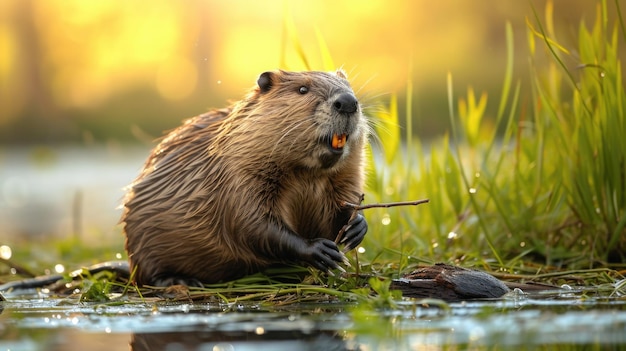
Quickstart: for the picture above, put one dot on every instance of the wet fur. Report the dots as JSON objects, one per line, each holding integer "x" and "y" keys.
{"x": 222, "y": 195}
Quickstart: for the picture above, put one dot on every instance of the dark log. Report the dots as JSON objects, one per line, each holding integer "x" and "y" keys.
{"x": 452, "y": 283}
{"x": 449, "y": 283}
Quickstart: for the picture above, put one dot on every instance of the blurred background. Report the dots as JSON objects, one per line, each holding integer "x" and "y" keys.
{"x": 87, "y": 86}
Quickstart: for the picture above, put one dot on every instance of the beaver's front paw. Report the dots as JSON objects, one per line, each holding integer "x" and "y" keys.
{"x": 355, "y": 233}
{"x": 324, "y": 255}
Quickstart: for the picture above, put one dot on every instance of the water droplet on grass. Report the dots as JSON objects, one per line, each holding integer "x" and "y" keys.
{"x": 386, "y": 219}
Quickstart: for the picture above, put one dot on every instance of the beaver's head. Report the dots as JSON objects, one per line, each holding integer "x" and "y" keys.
{"x": 314, "y": 118}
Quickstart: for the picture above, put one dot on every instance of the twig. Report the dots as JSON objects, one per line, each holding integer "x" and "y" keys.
{"x": 359, "y": 207}
{"x": 18, "y": 269}
{"x": 385, "y": 205}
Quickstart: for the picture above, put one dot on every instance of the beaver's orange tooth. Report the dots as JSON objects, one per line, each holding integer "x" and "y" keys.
{"x": 335, "y": 141}
{"x": 339, "y": 141}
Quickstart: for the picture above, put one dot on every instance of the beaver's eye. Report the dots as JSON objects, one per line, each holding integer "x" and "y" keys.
{"x": 303, "y": 90}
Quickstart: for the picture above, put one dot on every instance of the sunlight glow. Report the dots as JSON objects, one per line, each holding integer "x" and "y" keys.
{"x": 176, "y": 78}
{"x": 86, "y": 54}
{"x": 5, "y": 252}
{"x": 59, "y": 268}
{"x": 386, "y": 220}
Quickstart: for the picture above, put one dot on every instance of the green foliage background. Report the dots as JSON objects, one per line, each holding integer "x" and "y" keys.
{"x": 543, "y": 186}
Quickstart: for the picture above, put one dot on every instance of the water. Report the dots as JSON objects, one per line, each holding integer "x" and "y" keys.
{"x": 579, "y": 319}
{"x": 63, "y": 187}
{"x": 69, "y": 190}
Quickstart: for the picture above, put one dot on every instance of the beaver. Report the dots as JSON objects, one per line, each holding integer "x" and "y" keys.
{"x": 263, "y": 182}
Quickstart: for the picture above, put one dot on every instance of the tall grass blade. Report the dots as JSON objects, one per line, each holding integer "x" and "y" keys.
{"x": 621, "y": 19}
{"x": 550, "y": 45}
{"x": 463, "y": 174}
{"x": 327, "y": 60}
{"x": 290, "y": 32}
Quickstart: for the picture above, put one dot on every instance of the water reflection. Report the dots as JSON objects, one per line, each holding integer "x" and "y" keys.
{"x": 553, "y": 320}
{"x": 287, "y": 340}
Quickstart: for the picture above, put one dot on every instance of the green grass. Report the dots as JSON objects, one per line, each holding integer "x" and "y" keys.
{"x": 538, "y": 191}
{"x": 543, "y": 184}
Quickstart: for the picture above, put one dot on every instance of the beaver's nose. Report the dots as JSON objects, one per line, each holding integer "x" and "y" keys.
{"x": 346, "y": 104}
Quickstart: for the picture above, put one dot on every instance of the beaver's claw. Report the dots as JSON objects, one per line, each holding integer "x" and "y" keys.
{"x": 354, "y": 233}
{"x": 324, "y": 255}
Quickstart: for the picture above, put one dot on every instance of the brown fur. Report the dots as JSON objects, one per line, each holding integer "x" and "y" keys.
{"x": 224, "y": 194}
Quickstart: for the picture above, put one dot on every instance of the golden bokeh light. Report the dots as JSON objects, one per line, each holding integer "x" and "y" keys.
{"x": 98, "y": 49}
{"x": 176, "y": 78}
{"x": 60, "y": 56}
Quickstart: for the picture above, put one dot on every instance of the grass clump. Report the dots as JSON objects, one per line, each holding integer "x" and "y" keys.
{"x": 539, "y": 190}
{"x": 544, "y": 183}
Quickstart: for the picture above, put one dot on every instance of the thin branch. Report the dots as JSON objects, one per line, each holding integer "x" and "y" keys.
{"x": 385, "y": 205}
{"x": 356, "y": 208}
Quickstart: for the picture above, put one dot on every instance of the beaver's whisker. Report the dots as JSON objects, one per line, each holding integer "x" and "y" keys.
{"x": 284, "y": 134}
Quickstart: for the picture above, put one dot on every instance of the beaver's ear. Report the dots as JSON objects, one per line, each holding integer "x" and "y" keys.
{"x": 341, "y": 73}
{"x": 265, "y": 81}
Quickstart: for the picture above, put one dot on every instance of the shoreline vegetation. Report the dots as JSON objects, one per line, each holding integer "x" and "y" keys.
{"x": 538, "y": 195}
{"x": 542, "y": 187}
